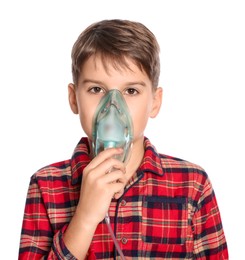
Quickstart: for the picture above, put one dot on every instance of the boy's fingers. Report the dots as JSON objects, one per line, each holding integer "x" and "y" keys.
{"x": 104, "y": 155}
{"x": 107, "y": 166}
{"x": 117, "y": 190}
{"x": 115, "y": 176}
{"x": 117, "y": 195}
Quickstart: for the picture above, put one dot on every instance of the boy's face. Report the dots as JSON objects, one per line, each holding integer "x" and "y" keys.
{"x": 134, "y": 84}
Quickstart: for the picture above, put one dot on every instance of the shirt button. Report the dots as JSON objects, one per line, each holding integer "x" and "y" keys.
{"x": 124, "y": 240}
{"x": 123, "y": 202}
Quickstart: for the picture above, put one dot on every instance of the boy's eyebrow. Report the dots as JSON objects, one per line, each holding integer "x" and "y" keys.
{"x": 92, "y": 81}
{"x": 142, "y": 83}
{"x": 130, "y": 83}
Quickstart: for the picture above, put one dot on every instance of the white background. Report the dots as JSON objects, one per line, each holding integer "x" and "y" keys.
{"x": 202, "y": 116}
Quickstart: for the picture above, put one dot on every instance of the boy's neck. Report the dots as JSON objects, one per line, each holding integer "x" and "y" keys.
{"x": 136, "y": 157}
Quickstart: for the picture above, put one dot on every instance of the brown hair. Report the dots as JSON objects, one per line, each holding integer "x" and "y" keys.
{"x": 115, "y": 40}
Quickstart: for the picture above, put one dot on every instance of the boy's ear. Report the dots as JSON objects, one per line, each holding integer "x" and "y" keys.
{"x": 72, "y": 98}
{"x": 157, "y": 102}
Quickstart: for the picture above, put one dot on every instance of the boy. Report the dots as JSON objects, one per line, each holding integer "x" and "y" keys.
{"x": 160, "y": 207}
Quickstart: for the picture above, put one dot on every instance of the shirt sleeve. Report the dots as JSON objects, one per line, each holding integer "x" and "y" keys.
{"x": 38, "y": 241}
{"x": 209, "y": 238}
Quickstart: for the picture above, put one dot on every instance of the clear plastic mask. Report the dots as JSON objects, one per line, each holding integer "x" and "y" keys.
{"x": 112, "y": 125}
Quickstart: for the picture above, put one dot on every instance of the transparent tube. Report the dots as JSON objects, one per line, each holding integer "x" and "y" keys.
{"x": 107, "y": 220}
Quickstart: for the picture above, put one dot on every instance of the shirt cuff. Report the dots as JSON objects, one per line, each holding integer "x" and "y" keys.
{"x": 59, "y": 247}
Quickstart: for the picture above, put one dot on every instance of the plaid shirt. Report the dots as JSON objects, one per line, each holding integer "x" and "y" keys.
{"x": 168, "y": 211}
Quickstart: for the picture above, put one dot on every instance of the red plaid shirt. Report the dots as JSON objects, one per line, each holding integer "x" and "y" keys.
{"x": 168, "y": 211}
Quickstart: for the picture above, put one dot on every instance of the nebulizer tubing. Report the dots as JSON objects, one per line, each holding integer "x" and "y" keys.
{"x": 119, "y": 250}
{"x": 112, "y": 128}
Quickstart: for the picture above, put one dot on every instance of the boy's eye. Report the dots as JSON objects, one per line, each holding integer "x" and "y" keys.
{"x": 96, "y": 90}
{"x": 131, "y": 91}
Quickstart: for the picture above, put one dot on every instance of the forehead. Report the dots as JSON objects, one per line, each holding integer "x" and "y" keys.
{"x": 109, "y": 73}
{"x": 109, "y": 64}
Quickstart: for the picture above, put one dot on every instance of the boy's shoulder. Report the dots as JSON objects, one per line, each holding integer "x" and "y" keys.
{"x": 180, "y": 167}
{"x": 166, "y": 164}
{"x": 178, "y": 163}
{"x": 55, "y": 171}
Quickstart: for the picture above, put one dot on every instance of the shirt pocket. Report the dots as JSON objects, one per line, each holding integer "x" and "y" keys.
{"x": 164, "y": 220}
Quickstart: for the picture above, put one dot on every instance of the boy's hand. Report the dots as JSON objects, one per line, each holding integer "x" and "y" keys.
{"x": 103, "y": 179}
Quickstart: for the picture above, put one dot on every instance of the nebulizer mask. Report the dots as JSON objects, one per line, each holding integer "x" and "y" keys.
{"x": 112, "y": 127}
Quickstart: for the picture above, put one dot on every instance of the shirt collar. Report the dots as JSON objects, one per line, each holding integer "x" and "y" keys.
{"x": 80, "y": 159}
{"x": 151, "y": 162}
